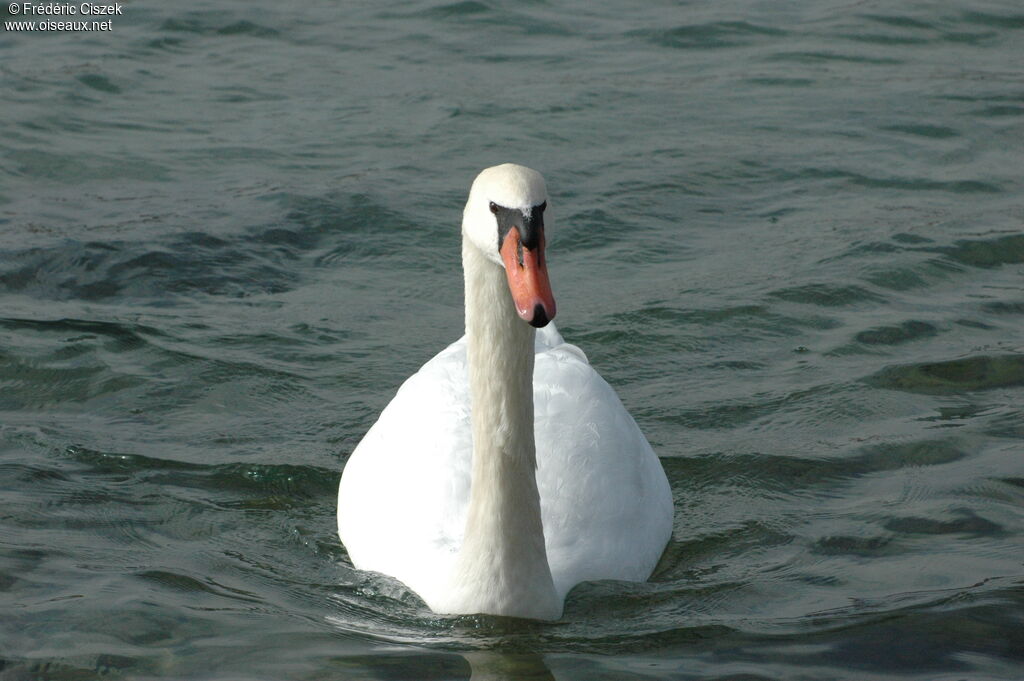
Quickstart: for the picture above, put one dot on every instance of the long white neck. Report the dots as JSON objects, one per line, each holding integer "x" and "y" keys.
{"x": 502, "y": 567}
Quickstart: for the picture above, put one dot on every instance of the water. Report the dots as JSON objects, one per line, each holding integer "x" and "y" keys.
{"x": 789, "y": 234}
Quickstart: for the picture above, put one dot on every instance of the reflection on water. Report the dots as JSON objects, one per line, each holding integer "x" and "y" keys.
{"x": 494, "y": 666}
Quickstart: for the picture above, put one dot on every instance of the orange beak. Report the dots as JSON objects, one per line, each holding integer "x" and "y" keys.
{"x": 527, "y": 274}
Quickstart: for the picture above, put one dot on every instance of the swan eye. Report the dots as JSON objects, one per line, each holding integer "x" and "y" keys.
{"x": 494, "y": 207}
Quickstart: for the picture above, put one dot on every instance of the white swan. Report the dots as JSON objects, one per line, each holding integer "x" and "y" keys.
{"x": 505, "y": 471}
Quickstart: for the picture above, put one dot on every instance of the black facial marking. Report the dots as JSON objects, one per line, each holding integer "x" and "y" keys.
{"x": 530, "y": 228}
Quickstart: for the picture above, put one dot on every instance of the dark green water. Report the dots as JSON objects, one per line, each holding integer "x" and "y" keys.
{"x": 790, "y": 234}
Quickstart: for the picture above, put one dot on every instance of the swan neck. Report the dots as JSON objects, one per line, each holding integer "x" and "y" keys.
{"x": 503, "y": 565}
{"x": 501, "y": 355}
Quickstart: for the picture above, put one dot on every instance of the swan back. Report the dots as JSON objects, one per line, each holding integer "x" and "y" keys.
{"x": 605, "y": 501}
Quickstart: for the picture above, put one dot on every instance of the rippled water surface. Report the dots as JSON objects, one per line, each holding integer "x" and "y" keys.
{"x": 788, "y": 233}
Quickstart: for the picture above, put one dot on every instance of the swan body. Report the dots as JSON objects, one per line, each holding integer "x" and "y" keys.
{"x": 506, "y": 470}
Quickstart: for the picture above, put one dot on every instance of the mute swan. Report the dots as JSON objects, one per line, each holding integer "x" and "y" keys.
{"x": 505, "y": 471}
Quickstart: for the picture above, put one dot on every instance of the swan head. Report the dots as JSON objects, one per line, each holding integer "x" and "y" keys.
{"x": 504, "y": 219}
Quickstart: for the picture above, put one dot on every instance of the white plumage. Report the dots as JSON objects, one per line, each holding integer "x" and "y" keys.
{"x": 405, "y": 495}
